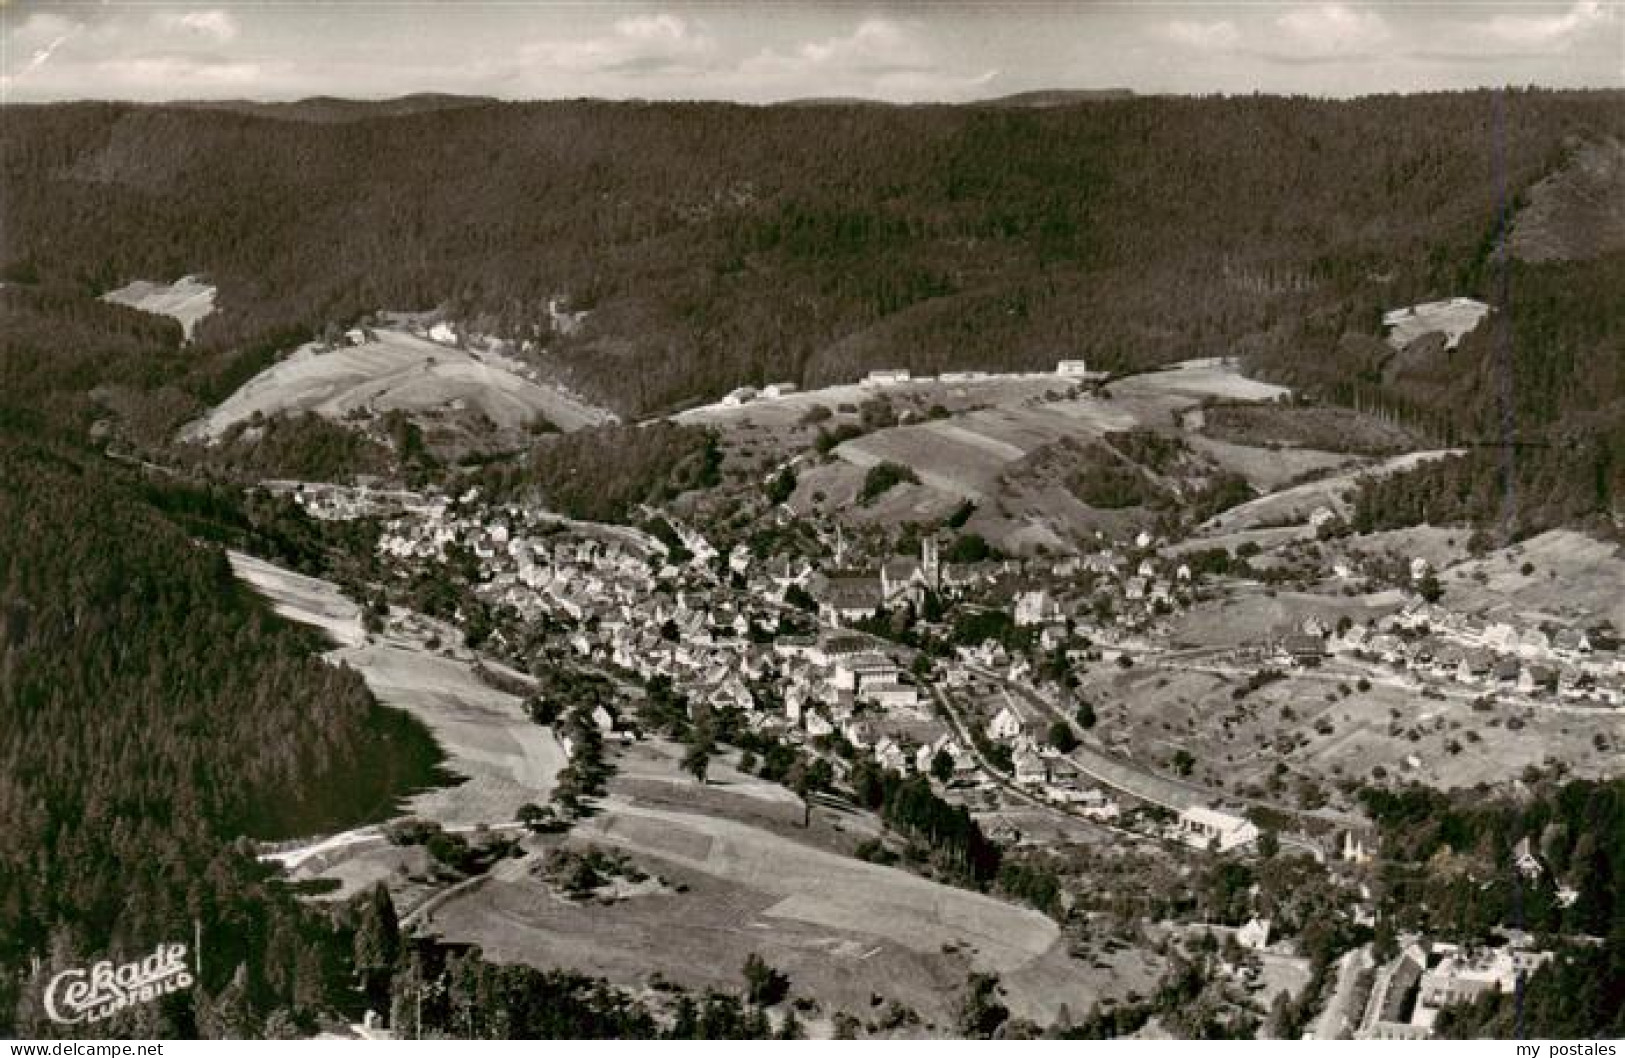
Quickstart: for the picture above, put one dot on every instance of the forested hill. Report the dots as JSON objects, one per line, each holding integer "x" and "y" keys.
{"x": 719, "y": 245}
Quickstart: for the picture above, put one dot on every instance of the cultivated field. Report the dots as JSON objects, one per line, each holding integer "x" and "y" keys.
{"x": 1196, "y": 379}
{"x": 398, "y": 371}
{"x": 1297, "y": 503}
{"x": 187, "y": 300}
{"x": 746, "y": 877}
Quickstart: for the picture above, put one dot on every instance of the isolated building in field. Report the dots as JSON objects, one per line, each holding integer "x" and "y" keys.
{"x": 1072, "y": 368}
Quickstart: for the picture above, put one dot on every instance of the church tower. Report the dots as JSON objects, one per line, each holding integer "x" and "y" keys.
{"x": 931, "y": 563}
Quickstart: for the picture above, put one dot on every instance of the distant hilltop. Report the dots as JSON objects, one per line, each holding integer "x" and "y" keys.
{"x": 332, "y": 110}
{"x": 1056, "y": 97}
{"x": 1036, "y": 100}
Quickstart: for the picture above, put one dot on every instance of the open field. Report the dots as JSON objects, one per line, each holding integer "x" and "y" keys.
{"x": 398, "y": 371}
{"x": 1195, "y": 379}
{"x": 506, "y": 759}
{"x": 746, "y": 879}
{"x": 1002, "y": 442}
{"x": 1295, "y": 427}
{"x": 954, "y": 395}
{"x": 1267, "y": 469}
{"x": 1575, "y": 578}
{"x": 187, "y": 300}
{"x": 843, "y": 930}
{"x": 1295, "y": 504}
{"x": 1249, "y": 613}
{"x": 1454, "y": 319}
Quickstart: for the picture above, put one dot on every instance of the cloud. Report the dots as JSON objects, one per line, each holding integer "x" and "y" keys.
{"x": 216, "y": 26}
{"x": 1547, "y": 32}
{"x": 879, "y": 58}
{"x": 637, "y": 45}
{"x": 876, "y": 46}
{"x": 1306, "y": 34}
{"x": 1203, "y": 36}
{"x": 1327, "y": 31}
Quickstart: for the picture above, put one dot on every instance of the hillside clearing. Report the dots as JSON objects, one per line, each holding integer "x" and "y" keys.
{"x": 188, "y": 300}
{"x": 398, "y": 371}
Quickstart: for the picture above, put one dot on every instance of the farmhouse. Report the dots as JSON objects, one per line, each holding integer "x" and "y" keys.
{"x": 1072, "y": 368}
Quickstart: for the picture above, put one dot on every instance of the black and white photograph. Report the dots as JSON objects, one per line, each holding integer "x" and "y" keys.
{"x": 821, "y": 520}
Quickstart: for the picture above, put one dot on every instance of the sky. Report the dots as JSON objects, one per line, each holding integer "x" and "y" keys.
{"x": 769, "y": 51}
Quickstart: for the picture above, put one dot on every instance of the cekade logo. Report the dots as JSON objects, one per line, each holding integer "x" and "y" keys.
{"x": 82, "y": 996}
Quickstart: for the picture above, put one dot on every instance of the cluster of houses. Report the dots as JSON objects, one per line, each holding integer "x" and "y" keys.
{"x": 1046, "y": 771}
{"x": 1569, "y": 663}
{"x": 626, "y": 607}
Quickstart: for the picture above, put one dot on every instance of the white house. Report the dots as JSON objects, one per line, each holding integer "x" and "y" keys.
{"x": 1202, "y": 827}
{"x": 1006, "y": 726}
{"x": 1035, "y": 608}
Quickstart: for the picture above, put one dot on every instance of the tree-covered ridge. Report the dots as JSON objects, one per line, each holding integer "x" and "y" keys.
{"x": 606, "y": 474}
{"x": 719, "y": 245}
{"x": 152, "y": 709}
{"x": 1536, "y": 394}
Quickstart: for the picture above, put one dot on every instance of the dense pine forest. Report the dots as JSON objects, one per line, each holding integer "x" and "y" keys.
{"x": 716, "y": 245}
{"x": 153, "y": 711}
